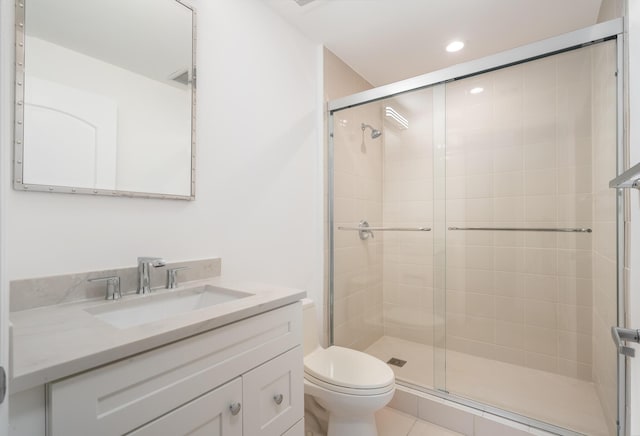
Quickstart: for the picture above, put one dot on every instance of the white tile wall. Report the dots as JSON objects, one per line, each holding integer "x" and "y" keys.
{"x": 408, "y": 202}
{"x": 526, "y": 298}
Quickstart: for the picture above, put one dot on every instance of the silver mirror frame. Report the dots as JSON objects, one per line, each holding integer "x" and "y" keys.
{"x": 18, "y": 148}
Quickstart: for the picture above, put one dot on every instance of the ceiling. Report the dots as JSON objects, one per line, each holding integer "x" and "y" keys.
{"x": 390, "y": 40}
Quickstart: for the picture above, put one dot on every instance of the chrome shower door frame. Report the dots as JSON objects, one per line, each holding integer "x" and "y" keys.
{"x": 610, "y": 30}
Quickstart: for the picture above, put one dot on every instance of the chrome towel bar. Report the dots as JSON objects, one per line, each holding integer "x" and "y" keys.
{"x": 524, "y": 229}
{"x": 364, "y": 231}
{"x": 388, "y": 229}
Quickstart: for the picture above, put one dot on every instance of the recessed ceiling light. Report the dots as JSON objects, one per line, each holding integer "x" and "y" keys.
{"x": 455, "y": 46}
{"x": 476, "y": 90}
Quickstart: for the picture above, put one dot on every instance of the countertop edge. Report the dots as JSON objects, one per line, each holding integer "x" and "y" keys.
{"x": 25, "y": 381}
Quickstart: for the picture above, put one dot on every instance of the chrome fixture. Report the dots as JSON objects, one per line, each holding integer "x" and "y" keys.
{"x": 113, "y": 287}
{"x": 620, "y": 334}
{"x": 375, "y": 133}
{"x": 172, "y": 276}
{"x": 364, "y": 230}
{"x": 144, "y": 281}
{"x": 524, "y": 229}
{"x": 628, "y": 179}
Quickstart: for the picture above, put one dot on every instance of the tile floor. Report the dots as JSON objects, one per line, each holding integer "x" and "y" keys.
{"x": 556, "y": 399}
{"x": 391, "y": 422}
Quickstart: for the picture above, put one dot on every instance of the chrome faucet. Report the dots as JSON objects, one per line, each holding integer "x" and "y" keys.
{"x": 144, "y": 281}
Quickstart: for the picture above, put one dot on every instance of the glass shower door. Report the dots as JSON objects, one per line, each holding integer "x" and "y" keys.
{"x": 531, "y": 239}
{"x": 382, "y": 233}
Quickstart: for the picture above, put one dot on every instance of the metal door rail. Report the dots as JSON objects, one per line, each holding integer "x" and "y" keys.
{"x": 525, "y": 229}
{"x": 389, "y": 229}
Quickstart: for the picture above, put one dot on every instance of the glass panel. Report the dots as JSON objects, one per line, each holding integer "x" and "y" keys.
{"x": 383, "y": 278}
{"x": 528, "y": 313}
{"x": 439, "y": 237}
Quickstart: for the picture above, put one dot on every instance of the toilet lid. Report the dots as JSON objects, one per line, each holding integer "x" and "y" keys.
{"x": 348, "y": 368}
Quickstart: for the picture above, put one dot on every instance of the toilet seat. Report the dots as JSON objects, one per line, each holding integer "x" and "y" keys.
{"x": 348, "y": 371}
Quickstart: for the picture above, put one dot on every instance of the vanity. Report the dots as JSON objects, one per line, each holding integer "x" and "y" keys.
{"x": 225, "y": 360}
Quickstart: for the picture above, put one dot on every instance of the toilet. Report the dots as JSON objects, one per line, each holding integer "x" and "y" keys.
{"x": 350, "y": 385}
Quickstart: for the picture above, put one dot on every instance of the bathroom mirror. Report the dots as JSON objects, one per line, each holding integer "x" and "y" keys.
{"x": 105, "y": 97}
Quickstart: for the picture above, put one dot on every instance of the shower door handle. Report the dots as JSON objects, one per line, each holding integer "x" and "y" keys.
{"x": 620, "y": 334}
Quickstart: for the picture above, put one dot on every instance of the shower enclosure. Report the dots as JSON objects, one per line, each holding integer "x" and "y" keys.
{"x": 473, "y": 237}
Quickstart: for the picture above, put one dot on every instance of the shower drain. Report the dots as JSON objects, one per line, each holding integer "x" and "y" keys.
{"x": 397, "y": 362}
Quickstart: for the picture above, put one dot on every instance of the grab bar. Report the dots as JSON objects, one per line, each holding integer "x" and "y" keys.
{"x": 525, "y": 229}
{"x": 364, "y": 231}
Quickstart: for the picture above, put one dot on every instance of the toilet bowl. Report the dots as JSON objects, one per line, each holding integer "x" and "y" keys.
{"x": 351, "y": 386}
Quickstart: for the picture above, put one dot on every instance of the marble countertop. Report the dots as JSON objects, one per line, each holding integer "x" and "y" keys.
{"x": 52, "y": 342}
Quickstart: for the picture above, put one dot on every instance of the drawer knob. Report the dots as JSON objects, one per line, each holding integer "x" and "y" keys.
{"x": 235, "y": 408}
{"x": 278, "y": 399}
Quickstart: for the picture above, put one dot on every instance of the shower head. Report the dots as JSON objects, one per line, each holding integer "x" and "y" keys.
{"x": 375, "y": 133}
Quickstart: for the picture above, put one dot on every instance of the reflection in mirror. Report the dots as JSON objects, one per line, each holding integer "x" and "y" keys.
{"x": 104, "y": 92}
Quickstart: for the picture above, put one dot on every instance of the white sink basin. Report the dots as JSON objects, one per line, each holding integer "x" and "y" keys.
{"x": 123, "y": 314}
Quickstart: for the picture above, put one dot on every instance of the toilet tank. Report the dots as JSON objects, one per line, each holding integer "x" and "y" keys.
{"x": 310, "y": 330}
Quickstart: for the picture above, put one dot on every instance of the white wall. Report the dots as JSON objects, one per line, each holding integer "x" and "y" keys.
{"x": 6, "y": 106}
{"x": 153, "y": 118}
{"x": 259, "y": 172}
{"x": 633, "y": 11}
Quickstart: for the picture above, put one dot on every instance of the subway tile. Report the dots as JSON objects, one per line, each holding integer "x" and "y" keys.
{"x": 508, "y": 259}
{"x": 508, "y": 159}
{"x": 509, "y": 284}
{"x": 510, "y": 309}
{"x": 540, "y": 156}
{"x": 480, "y": 305}
{"x": 540, "y": 209}
{"x": 540, "y": 182}
{"x": 540, "y": 261}
{"x": 479, "y": 186}
{"x": 508, "y": 208}
{"x": 508, "y": 184}
{"x": 575, "y": 346}
{"x": 510, "y": 334}
{"x": 540, "y": 340}
{"x": 541, "y": 314}
{"x": 479, "y": 280}
{"x": 541, "y": 287}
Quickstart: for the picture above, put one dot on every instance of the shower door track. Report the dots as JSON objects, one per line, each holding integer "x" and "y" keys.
{"x": 502, "y": 413}
{"x": 547, "y": 47}
{"x": 608, "y": 30}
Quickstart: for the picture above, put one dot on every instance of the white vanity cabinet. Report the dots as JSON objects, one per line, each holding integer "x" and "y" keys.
{"x": 245, "y": 378}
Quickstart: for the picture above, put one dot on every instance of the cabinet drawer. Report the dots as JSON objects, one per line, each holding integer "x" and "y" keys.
{"x": 208, "y": 415}
{"x": 273, "y": 395}
{"x": 120, "y": 397}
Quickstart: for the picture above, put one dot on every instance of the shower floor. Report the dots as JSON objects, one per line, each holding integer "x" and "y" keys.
{"x": 552, "y": 398}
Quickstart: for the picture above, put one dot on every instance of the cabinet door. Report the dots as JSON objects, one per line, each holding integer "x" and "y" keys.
{"x": 125, "y": 395}
{"x": 273, "y": 395}
{"x": 208, "y": 415}
{"x": 296, "y": 430}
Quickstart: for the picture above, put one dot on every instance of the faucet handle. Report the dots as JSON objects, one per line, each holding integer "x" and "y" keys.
{"x": 113, "y": 287}
{"x": 172, "y": 276}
